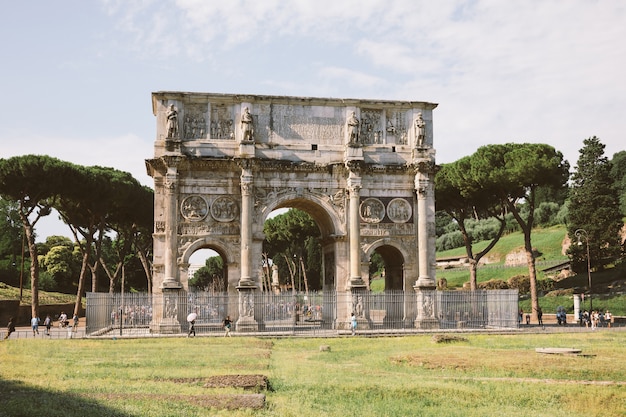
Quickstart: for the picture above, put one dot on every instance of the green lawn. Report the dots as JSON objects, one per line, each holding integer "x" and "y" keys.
{"x": 485, "y": 375}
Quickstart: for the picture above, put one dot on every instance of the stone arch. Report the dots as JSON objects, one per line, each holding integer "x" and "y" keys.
{"x": 208, "y": 243}
{"x": 327, "y": 220}
{"x": 395, "y": 257}
{"x": 215, "y": 185}
{"x": 217, "y": 245}
{"x": 321, "y": 211}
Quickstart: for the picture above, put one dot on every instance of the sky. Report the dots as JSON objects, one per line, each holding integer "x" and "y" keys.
{"x": 77, "y": 75}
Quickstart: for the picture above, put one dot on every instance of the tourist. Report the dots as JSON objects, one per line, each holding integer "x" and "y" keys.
{"x": 10, "y": 328}
{"x": 353, "y": 324}
{"x": 48, "y": 323}
{"x": 75, "y": 325}
{"x": 539, "y": 316}
{"x": 192, "y": 328}
{"x": 607, "y": 317}
{"x": 601, "y": 318}
{"x": 34, "y": 324}
{"x": 227, "y": 323}
{"x": 594, "y": 319}
{"x": 63, "y": 319}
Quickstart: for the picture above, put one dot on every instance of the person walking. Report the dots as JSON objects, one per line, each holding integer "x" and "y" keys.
{"x": 48, "y": 323}
{"x": 10, "y": 328}
{"x": 353, "y": 324}
{"x": 75, "y": 325}
{"x": 192, "y": 328}
{"x": 227, "y": 324}
{"x": 34, "y": 324}
{"x": 540, "y": 316}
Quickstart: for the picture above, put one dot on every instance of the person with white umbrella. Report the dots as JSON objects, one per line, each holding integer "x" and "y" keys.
{"x": 191, "y": 318}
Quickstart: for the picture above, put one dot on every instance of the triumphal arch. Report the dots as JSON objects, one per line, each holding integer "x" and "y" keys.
{"x": 363, "y": 169}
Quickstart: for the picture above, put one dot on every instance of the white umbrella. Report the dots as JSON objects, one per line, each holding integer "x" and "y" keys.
{"x": 191, "y": 317}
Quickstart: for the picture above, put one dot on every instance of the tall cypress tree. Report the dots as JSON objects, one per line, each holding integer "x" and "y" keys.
{"x": 594, "y": 207}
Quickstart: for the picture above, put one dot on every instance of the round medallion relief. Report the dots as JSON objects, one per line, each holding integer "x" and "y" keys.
{"x": 224, "y": 209}
{"x": 194, "y": 208}
{"x": 372, "y": 210}
{"x": 399, "y": 210}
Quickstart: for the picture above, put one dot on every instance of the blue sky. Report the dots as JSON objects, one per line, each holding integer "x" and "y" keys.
{"x": 77, "y": 75}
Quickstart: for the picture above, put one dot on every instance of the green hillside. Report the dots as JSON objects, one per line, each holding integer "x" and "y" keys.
{"x": 548, "y": 242}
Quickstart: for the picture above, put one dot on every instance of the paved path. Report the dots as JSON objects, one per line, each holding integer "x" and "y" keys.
{"x": 25, "y": 332}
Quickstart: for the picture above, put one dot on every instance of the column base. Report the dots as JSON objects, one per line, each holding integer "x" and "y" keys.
{"x": 170, "y": 284}
{"x": 167, "y": 326}
{"x": 246, "y": 325}
{"x": 426, "y": 324}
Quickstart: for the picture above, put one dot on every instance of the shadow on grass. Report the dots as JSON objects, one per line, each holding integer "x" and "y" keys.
{"x": 20, "y": 400}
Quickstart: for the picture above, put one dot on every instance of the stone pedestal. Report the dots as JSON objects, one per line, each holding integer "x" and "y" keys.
{"x": 354, "y": 152}
{"x": 246, "y": 149}
{"x": 247, "y": 321}
{"x": 426, "y": 308}
{"x": 359, "y": 308}
{"x": 169, "y": 312}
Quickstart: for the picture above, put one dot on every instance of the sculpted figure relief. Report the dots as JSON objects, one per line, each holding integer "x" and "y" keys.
{"x": 172, "y": 122}
{"x": 247, "y": 128}
{"x": 420, "y": 130}
{"x": 353, "y": 128}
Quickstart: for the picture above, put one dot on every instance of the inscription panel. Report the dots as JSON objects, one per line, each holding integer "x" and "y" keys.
{"x": 387, "y": 229}
{"x": 321, "y": 125}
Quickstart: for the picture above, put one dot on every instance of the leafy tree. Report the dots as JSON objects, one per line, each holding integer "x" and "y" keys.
{"x": 618, "y": 174}
{"x": 292, "y": 242}
{"x": 96, "y": 198}
{"x": 132, "y": 207}
{"x": 35, "y": 183}
{"x": 11, "y": 242}
{"x": 210, "y": 277}
{"x": 61, "y": 263}
{"x": 458, "y": 195}
{"x": 514, "y": 172}
{"x": 10, "y": 230}
{"x": 594, "y": 206}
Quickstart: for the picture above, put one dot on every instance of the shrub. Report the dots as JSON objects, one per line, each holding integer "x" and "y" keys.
{"x": 521, "y": 282}
{"x": 449, "y": 241}
{"x": 545, "y": 285}
{"x": 493, "y": 284}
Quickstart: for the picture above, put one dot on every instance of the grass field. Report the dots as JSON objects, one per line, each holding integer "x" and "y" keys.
{"x": 484, "y": 375}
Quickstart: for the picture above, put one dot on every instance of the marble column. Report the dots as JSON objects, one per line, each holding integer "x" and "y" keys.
{"x": 171, "y": 225}
{"x": 247, "y": 210}
{"x": 354, "y": 222}
{"x": 425, "y": 287}
{"x": 167, "y": 308}
{"x": 425, "y": 205}
{"x": 246, "y": 321}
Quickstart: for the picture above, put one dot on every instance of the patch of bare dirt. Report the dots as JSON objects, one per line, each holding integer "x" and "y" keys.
{"x": 247, "y": 382}
{"x": 259, "y": 382}
{"x": 448, "y": 338}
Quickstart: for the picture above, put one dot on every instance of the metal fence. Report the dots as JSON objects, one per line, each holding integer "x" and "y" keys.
{"x": 294, "y": 313}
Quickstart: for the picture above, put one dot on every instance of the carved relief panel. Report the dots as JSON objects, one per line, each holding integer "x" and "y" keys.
{"x": 222, "y": 122}
{"x": 195, "y": 124}
{"x": 396, "y": 127}
{"x": 371, "y": 127}
{"x": 201, "y": 218}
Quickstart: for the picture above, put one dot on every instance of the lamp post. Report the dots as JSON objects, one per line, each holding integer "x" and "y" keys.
{"x": 583, "y": 233}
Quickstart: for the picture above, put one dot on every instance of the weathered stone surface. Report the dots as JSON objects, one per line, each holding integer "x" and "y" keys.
{"x": 363, "y": 169}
